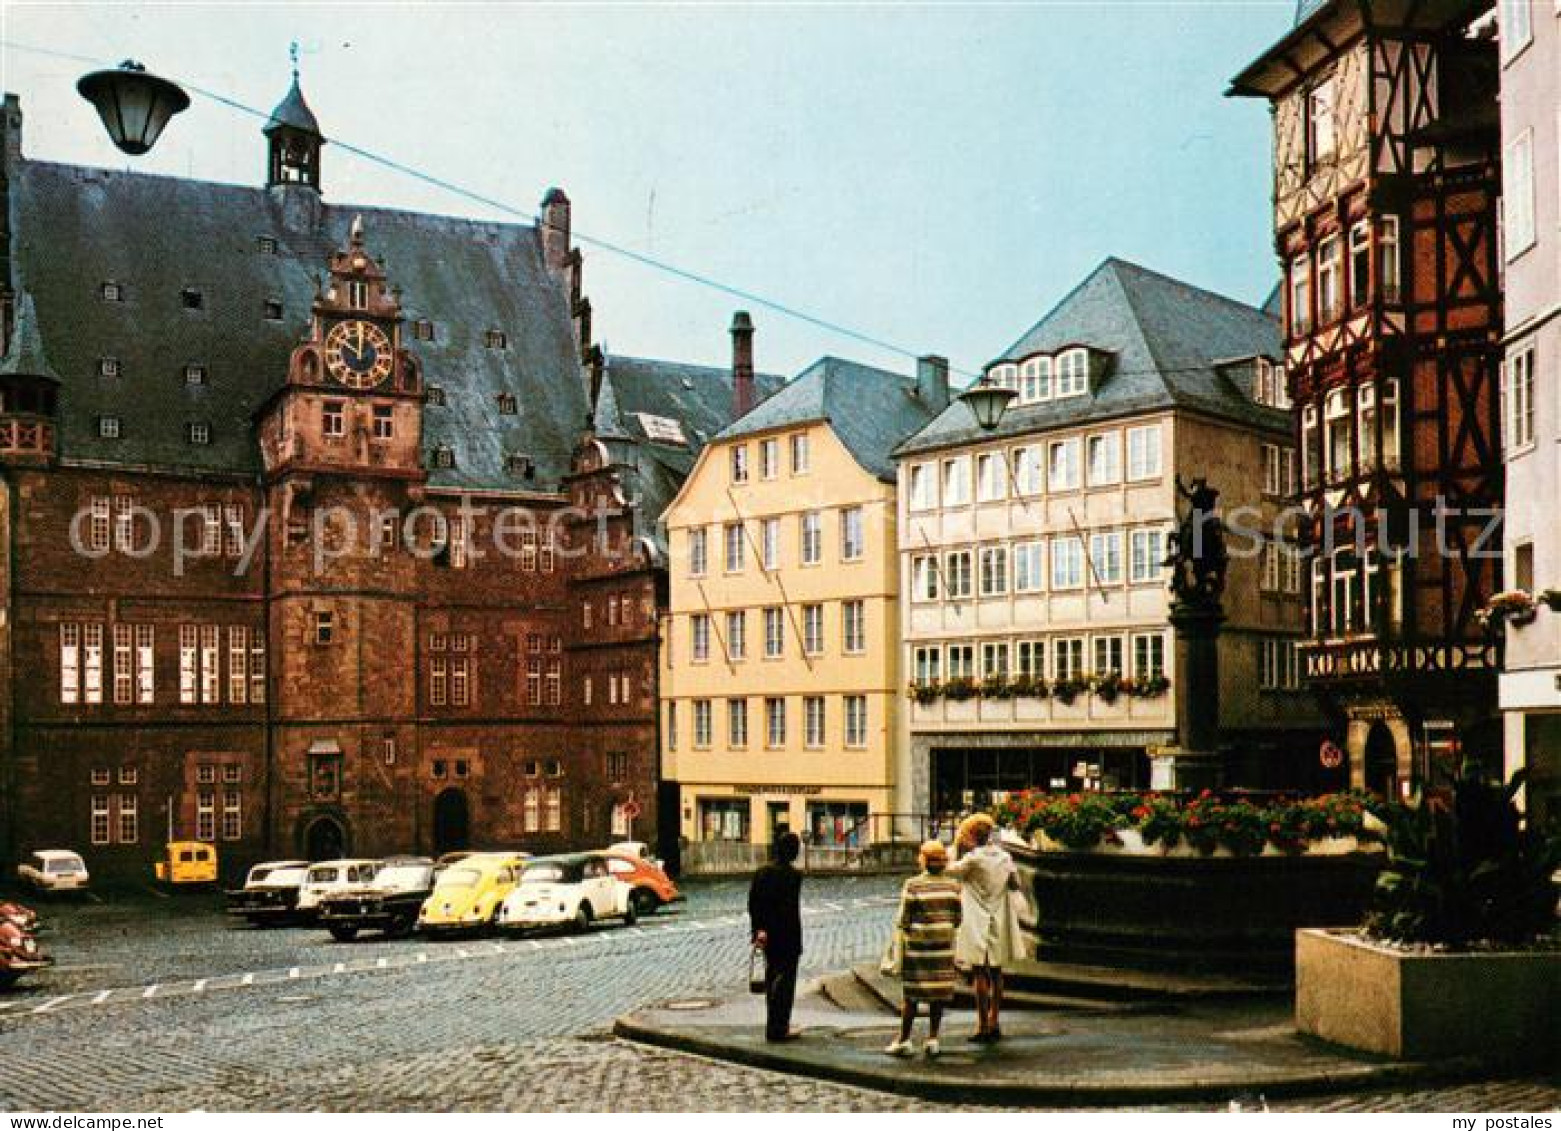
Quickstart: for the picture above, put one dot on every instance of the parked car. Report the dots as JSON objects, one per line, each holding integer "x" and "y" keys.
{"x": 54, "y": 869}
{"x": 270, "y": 892}
{"x": 18, "y": 916}
{"x": 390, "y": 905}
{"x": 19, "y": 953}
{"x": 573, "y": 891}
{"x": 186, "y": 863}
{"x": 331, "y": 877}
{"x": 650, "y": 888}
{"x": 467, "y": 894}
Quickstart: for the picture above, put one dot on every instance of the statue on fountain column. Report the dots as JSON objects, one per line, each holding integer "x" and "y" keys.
{"x": 1197, "y": 557}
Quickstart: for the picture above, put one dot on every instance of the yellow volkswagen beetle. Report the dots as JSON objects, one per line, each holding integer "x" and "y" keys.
{"x": 467, "y": 894}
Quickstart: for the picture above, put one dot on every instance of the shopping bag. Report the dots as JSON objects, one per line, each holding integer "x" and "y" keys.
{"x": 756, "y": 970}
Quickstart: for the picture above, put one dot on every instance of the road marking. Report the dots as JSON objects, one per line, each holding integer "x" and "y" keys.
{"x": 199, "y": 986}
{"x": 50, "y": 1004}
{"x": 293, "y": 972}
{"x": 422, "y": 957}
{"x": 381, "y": 962}
{"x": 101, "y": 996}
{"x": 459, "y": 953}
{"x": 247, "y": 980}
{"x": 149, "y": 991}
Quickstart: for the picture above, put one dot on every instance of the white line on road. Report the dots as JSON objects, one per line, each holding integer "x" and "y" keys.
{"x": 247, "y": 980}
{"x": 149, "y": 991}
{"x": 52, "y": 1002}
{"x": 339, "y": 968}
{"x": 293, "y": 972}
{"x": 199, "y": 986}
{"x": 100, "y": 997}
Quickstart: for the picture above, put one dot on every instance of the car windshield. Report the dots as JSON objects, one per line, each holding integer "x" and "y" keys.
{"x": 64, "y": 865}
{"x": 323, "y": 875}
{"x": 403, "y": 876}
{"x": 542, "y": 874}
{"x": 460, "y": 878}
{"x": 278, "y": 877}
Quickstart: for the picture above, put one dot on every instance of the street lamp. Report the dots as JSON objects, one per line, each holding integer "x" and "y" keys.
{"x": 988, "y": 401}
{"x": 134, "y": 105}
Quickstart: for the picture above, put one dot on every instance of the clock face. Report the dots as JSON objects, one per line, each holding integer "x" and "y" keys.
{"x": 358, "y": 354}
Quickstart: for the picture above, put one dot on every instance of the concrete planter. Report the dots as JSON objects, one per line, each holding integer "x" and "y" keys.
{"x": 1503, "y": 1005}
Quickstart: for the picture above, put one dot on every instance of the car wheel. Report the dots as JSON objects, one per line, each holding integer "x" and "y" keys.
{"x": 583, "y": 918}
{"x": 8, "y": 978}
{"x": 401, "y": 929}
{"x": 342, "y": 933}
{"x": 644, "y": 901}
{"x": 631, "y": 916}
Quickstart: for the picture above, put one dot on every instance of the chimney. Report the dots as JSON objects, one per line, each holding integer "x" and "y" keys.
{"x": 11, "y": 131}
{"x": 932, "y": 381}
{"x": 742, "y": 364}
{"x": 555, "y": 230}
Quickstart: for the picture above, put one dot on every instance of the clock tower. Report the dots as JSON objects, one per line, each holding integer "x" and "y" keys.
{"x": 352, "y": 403}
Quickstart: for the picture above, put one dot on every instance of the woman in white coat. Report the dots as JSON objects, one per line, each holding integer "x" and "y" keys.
{"x": 989, "y": 931}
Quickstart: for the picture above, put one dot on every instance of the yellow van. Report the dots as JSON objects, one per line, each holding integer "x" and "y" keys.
{"x": 187, "y": 862}
{"x": 467, "y": 894}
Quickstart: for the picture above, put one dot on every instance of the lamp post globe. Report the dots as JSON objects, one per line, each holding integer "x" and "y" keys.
{"x": 134, "y": 105}
{"x": 987, "y": 402}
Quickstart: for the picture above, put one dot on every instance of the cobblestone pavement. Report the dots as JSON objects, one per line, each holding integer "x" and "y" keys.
{"x": 149, "y": 1009}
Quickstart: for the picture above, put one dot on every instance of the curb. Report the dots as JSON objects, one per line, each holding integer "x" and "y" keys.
{"x": 1106, "y": 1092}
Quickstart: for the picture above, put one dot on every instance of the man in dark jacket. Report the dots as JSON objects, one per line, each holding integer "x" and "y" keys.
{"x": 775, "y": 912}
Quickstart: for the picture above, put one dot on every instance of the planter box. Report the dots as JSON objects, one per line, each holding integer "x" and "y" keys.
{"x": 1496, "y": 1006}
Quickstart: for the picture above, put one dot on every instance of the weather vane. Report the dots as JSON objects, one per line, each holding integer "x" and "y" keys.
{"x": 292, "y": 53}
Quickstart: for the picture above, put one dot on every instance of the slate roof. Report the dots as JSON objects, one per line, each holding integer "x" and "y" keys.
{"x": 24, "y": 357}
{"x": 871, "y": 410}
{"x": 1167, "y": 340}
{"x": 698, "y": 397}
{"x": 74, "y": 228}
{"x": 293, "y": 111}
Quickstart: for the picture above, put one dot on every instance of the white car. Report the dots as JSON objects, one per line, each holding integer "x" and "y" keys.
{"x": 565, "y": 891}
{"x": 331, "y": 877}
{"x": 54, "y": 869}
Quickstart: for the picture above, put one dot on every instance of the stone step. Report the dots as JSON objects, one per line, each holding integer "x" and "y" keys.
{"x": 886, "y": 991}
{"x": 1126, "y": 983}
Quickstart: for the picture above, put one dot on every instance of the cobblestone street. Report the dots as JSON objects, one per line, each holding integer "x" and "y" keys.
{"x": 163, "y": 1005}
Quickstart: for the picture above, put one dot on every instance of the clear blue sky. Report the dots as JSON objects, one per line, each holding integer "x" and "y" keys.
{"x": 934, "y": 176}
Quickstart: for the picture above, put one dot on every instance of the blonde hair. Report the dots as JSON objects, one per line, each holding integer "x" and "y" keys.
{"x": 934, "y": 857}
{"x": 974, "y": 830}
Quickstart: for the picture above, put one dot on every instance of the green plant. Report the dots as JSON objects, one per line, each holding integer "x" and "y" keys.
{"x": 996, "y": 687}
{"x": 1068, "y": 689}
{"x": 1148, "y": 687}
{"x": 1462, "y": 868}
{"x": 1158, "y": 820}
{"x": 1028, "y": 687}
{"x": 1107, "y": 686}
{"x": 1080, "y": 820}
{"x": 960, "y": 688}
{"x": 925, "y": 693}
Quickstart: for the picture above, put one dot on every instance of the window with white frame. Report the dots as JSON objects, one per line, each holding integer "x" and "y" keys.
{"x": 698, "y": 553}
{"x": 1028, "y": 470}
{"x": 1067, "y": 562}
{"x": 232, "y": 814}
{"x": 1105, "y": 459}
{"x": 1360, "y": 263}
{"x": 924, "y": 577}
{"x": 92, "y": 663}
{"x": 1028, "y": 561}
{"x": 962, "y": 661}
{"x": 238, "y": 663}
{"x": 1518, "y": 399}
{"x": 994, "y": 571}
{"x": 1073, "y": 373}
{"x": 1321, "y": 124}
{"x": 1269, "y": 384}
{"x": 1109, "y": 655}
{"x": 801, "y": 454}
{"x": 737, "y": 723}
{"x": 990, "y": 477}
{"x": 774, "y": 632}
{"x": 70, "y": 663}
{"x": 733, "y": 534}
{"x": 699, "y": 637}
{"x": 1290, "y": 567}
{"x": 769, "y": 542}
{"x": 1391, "y": 456}
{"x": 994, "y": 659}
{"x": 853, "y": 616}
{"x": 129, "y": 818}
{"x": 1309, "y": 438}
{"x": 1389, "y": 262}
{"x": 99, "y": 523}
{"x": 956, "y": 481}
{"x": 1329, "y": 291}
{"x": 701, "y": 724}
{"x": 856, "y": 721}
{"x": 1105, "y": 554}
{"x": 923, "y": 486}
{"x": 775, "y": 723}
{"x": 1516, "y": 27}
{"x": 1269, "y": 560}
{"x": 1146, "y": 555}
{"x": 1148, "y": 655}
{"x": 1063, "y": 465}
{"x": 813, "y": 721}
{"x": 1366, "y": 425}
{"x": 123, "y": 676}
{"x": 1518, "y": 195}
{"x": 813, "y": 629}
{"x": 1068, "y": 657}
{"x": 739, "y": 463}
{"x": 956, "y": 575}
{"x": 927, "y": 664}
{"x": 1143, "y": 452}
{"x": 1005, "y": 375}
{"x": 812, "y": 538}
{"x": 1035, "y": 380}
{"x": 206, "y": 815}
{"x": 1300, "y": 295}
{"x": 99, "y": 833}
{"x": 737, "y": 635}
{"x": 1339, "y": 434}
{"x": 124, "y": 523}
{"x": 1278, "y": 664}
{"x": 769, "y": 458}
{"x": 1345, "y": 586}
{"x": 1030, "y": 659}
{"x": 852, "y": 538}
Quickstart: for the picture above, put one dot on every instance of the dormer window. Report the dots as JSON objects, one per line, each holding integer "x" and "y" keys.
{"x": 198, "y": 432}
{"x": 1073, "y": 373}
{"x": 111, "y": 292}
{"x": 357, "y": 294}
{"x": 273, "y": 309}
{"x": 265, "y": 245}
{"x": 1268, "y": 384}
{"x": 1006, "y": 375}
{"x": 423, "y": 330}
{"x": 444, "y": 456}
{"x": 108, "y": 367}
{"x": 519, "y": 465}
{"x": 1035, "y": 380}
{"x": 435, "y": 394}
{"x": 192, "y": 299}
{"x": 194, "y": 374}
{"x": 108, "y": 427}
{"x": 508, "y": 406}
{"x": 496, "y": 340}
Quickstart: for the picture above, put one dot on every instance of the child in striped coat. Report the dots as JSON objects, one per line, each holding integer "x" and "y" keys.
{"x": 928, "y": 921}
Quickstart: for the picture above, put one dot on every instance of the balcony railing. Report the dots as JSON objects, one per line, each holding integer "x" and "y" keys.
{"x": 26, "y": 434}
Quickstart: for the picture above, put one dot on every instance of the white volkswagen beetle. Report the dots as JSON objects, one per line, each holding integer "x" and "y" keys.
{"x": 566, "y": 891}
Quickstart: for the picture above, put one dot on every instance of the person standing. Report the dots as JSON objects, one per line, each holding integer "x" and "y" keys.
{"x": 928, "y": 921}
{"x": 989, "y": 932}
{"x": 775, "y": 916}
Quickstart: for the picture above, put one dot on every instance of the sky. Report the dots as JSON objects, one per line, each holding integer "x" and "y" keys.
{"x": 933, "y": 176}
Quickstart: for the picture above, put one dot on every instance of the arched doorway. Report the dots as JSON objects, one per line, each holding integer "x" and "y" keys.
{"x": 325, "y": 839}
{"x": 1381, "y": 762}
{"x": 452, "y": 822}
